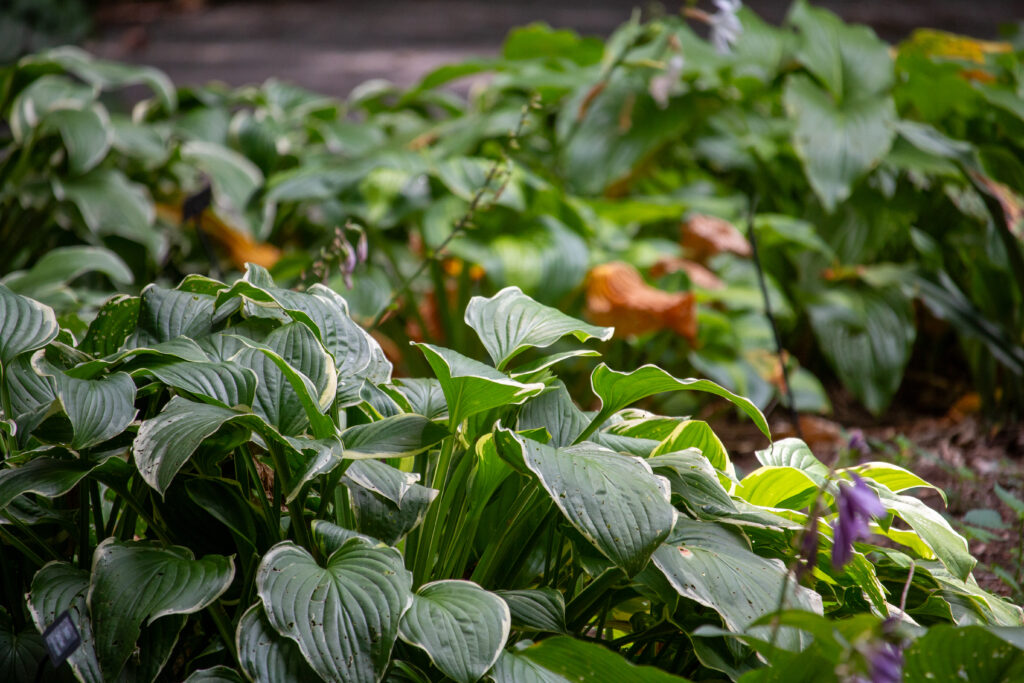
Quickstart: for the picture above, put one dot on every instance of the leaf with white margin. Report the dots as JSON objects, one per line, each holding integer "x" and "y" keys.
{"x": 133, "y": 583}
{"x": 322, "y": 456}
{"x": 345, "y": 615}
{"x": 536, "y": 609}
{"x": 470, "y": 387}
{"x": 461, "y": 627}
{"x": 398, "y": 436}
{"x": 555, "y": 411}
{"x": 615, "y": 501}
{"x": 57, "y": 587}
{"x": 222, "y": 383}
{"x": 25, "y": 325}
{"x": 99, "y": 409}
{"x": 620, "y": 389}
{"x": 169, "y": 313}
{"x": 387, "y": 502}
{"x": 424, "y": 395}
{"x": 216, "y": 674}
{"x": 51, "y": 477}
{"x": 510, "y": 322}
{"x": 265, "y": 655}
{"x": 714, "y": 566}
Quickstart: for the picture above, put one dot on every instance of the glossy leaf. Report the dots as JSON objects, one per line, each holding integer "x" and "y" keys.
{"x": 57, "y": 587}
{"x": 47, "y": 476}
{"x": 265, "y": 655}
{"x": 536, "y": 609}
{"x": 393, "y": 437}
{"x": 98, "y": 409}
{"x": 948, "y": 654}
{"x": 563, "y": 659}
{"x": 387, "y": 502}
{"x": 220, "y": 383}
{"x": 25, "y": 325}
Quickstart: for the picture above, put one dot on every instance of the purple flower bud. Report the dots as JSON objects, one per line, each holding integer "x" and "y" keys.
{"x": 858, "y": 443}
{"x": 857, "y": 505}
{"x": 362, "y": 247}
{"x": 885, "y": 661}
{"x": 809, "y": 547}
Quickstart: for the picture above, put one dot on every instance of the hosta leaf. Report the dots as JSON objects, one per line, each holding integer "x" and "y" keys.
{"x": 949, "y": 654}
{"x": 234, "y": 178}
{"x": 48, "y": 476}
{"x": 110, "y": 204}
{"x": 170, "y": 313}
{"x": 20, "y": 652}
{"x": 217, "y": 674}
{"x": 793, "y": 453}
{"x": 86, "y": 134}
{"x": 57, "y": 587}
{"x": 714, "y": 566}
{"x": 527, "y": 371}
{"x": 461, "y": 627}
{"x": 393, "y": 437}
{"x": 166, "y": 441}
{"x": 329, "y": 537}
{"x": 31, "y": 395}
{"x": 615, "y": 501}
{"x": 510, "y": 322}
{"x": 893, "y": 477}
{"x": 265, "y": 655}
{"x": 563, "y": 659}
{"x": 555, "y": 411}
{"x": 470, "y": 387}
{"x": 536, "y": 609}
{"x": 777, "y": 487}
{"x": 221, "y": 383}
{"x": 134, "y": 583}
{"x": 424, "y": 395}
{"x": 694, "y": 482}
{"x": 320, "y": 457}
{"x": 696, "y": 434}
{"x": 620, "y": 389}
{"x": 114, "y": 322}
{"x": 345, "y": 615}
{"x": 25, "y": 325}
{"x": 98, "y": 409}
{"x": 60, "y": 266}
{"x": 387, "y": 502}
{"x": 223, "y": 499}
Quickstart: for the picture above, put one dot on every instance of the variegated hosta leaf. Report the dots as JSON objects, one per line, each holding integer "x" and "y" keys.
{"x": 57, "y": 587}
{"x": 99, "y": 409}
{"x": 136, "y": 583}
{"x": 460, "y": 625}
{"x": 25, "y": 325}
{"x": 536, "y": 609}
{"x": 345, "y": 615}
{"x": 510, "y": 322}
{"x": 169, "y": 313}
{"x": 615, "y": 501}
{"x": 387, "y": 502}
{"x": 265, "y": 655}
{"x": 393, "y": 437}
{"x": 222, "y": 383}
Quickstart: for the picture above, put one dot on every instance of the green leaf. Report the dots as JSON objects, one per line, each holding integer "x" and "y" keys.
{"x": 233, "y": 177}
{"x": 387, "y": 502}
{"x": 536, "y": 609}
{"x": 170, "y": 313}
{"x": 86, "y": 133}
{"x": 714, "y": 566}
{"x": 321, "y": 457}
{"x": 25, "y": 325}
{"x": 893, "y": 477}
{"x": 555, "y": 411}
{"x": 398, "y": 436}
{"x": 21, "y": 653}
{"x": 60, "y": 266}
{"x": 167, "y": 441}
{"x": 47, "y": 476}
{"x": 793, "y": 453}
{"x": 461, "y": 627}
{"x": 696, "y": 434}
{"x": 620, "y": 389}
{"x": 563, "y": 659}
{"x": 114, "y": 322}
{"x": 345, "y": 615}
{"x": 265, "y": 655}
{"x": 110, "y": 204}
{"x": 470, "y": 387}
{"x": 615, "y": 501}
{"x": 837, "y": 143}
{"x": 135, "y": 582}
{"x": 510, "y": 322}
{"x": 778, "y": 487}
{"x": 216, "y": 674}
{"x": 953, "y": 654}
{"x": 220, "y": 383}
{"x": 57, "y": 587}
{"x": 424, "y": 395}
{"x": 98, "y": 409}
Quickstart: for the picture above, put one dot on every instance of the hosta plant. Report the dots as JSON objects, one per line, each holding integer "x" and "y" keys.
{"x": 225, "y": 482}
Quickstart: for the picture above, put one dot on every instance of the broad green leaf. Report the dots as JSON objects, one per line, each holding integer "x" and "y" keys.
{"x": 345, "y": 615}
{"x": 167, "y": 441}
{"x": 696, "y": 434}
{"x": 265, "y": 655}
{"x": 233, "y": 177}
{"x": 510, "y": 322}
{"x": 424, "y": 395}
{"x": 470, "y": 387}
{"x": 25, "y": 325}
{"x": 45, "y": 94}
{"x": 48, "y": 476}
{"x": 778, "y": 487}
{"x": 893, "y": 477}
{"x": 620, "y": 389}
{"x": 615, "y": 501}
{"x": 57, "y": 587}
{"x": 170, "y": 313}
{"x": 534, "y": 369}
{"x": 461, "y": 627}
{"x": 387, "y": 502}
{"x": 694, "y": 482}
{"x": 86, "y": 133}
{"x": 223, "y": 499}
{"x": 222, "y": 383}
{"x": 837, "y": 143}
{"x": 21, "y": 653}
{"x": 536, "y": 609}
{"x": 950, "y": 654}
{"x": 328, "y": 537}
{"x": 321, "y": 457}
{"x": 98, "y": 409}
{"x": 554, "y": 411}
{"x": 216, "y": 674}
{"x": 110, "y": 204}
{"x": 794, "y": 453}
{"x": 393, "y": 437}
{"x": 135, "y": 582}
{"x": 714, "y": 566}
{"x": 113, "y": 324}
{"x": 31, "y": 395}
{"x": 60, "y": 266}
{"x": 563, "y": 659}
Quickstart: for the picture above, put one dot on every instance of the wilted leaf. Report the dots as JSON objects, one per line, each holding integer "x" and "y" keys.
{"x": 618, "y": 296}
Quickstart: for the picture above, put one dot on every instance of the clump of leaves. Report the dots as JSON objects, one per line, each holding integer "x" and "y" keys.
{"x": 224, "y": 480}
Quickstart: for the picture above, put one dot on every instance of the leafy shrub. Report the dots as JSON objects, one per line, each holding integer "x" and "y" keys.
{"x": 221, "y": 481}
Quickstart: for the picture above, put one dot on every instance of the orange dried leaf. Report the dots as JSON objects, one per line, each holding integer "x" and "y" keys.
{"x": 698, "y": 274}
{"x": 618, "y": 296}
{"x": 935, "y": 43}
{"x": 1011, "y": 202}
{"x": 239, "y": 247}
{"x": 704, "y": 236}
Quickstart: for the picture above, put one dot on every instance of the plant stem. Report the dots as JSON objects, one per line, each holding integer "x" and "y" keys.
{"x": 223, "y": 624}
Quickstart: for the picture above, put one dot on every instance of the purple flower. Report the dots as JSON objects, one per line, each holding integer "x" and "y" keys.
{"x": 809, "y": 546}
{"x": 885, "y": 662}
{"x": 857, "y": 505}
{"x": 725, "y": 25}
{"x": 858, "y": 443}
